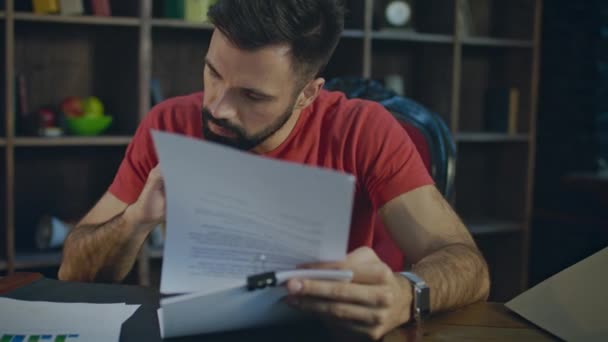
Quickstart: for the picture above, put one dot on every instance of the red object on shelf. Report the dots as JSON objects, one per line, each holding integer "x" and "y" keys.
{"x": 47, "y": 117}
{"x": 101, "y": 8}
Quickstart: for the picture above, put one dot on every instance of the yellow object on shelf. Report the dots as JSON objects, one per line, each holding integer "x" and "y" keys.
{"x": 45, "y": 6}
{"x": 196, "y": 10}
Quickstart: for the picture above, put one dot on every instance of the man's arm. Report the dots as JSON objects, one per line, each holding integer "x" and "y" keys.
{"x": 439, "y": 247}
{"x": 376, "y": 301}
{"x": 102, "y": 249}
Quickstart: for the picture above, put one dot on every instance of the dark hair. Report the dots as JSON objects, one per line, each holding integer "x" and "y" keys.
{"x": 312, "y": 28}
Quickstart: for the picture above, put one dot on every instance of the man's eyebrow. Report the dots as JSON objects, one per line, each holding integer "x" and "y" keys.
{"x": 253, "y": 90}
{"x": 208, "y": 63}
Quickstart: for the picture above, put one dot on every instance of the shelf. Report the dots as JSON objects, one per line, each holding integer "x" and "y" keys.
{"x": 497, "y": 42}
{"x": 37, "y": 259}
{"x": 353, "y": 34}
{"x": 81, "y": 19}
{"x": 73, "y": 141}
{"x": 2, "y": 142}
{"x": 475, "y": 137}
{"x": 177, "y": 23}
{"x": 492, "y": 227}
{"x": 412, "y": 36}
{"x": 34, "y": 260}
{"x": 182, "y": 24}
{"x": 2, "y": 15}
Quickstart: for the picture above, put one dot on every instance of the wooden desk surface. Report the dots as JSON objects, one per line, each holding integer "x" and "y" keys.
{"x": 477, "y": 322}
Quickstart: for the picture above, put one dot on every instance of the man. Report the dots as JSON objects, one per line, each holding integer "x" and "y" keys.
{"x": 263, "y": 94}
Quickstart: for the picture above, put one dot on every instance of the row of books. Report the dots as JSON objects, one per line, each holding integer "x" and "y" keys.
{"x": 189, "y": 10}
{"x": 69, "y": 7}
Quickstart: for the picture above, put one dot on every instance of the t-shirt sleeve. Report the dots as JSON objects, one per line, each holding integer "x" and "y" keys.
{"x": 140, "y": 158}
{"x": 387, "y": 158}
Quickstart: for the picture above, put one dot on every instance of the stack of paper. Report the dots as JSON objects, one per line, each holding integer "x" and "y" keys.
{"x": 232, "y": 214}
{"x": 25, "y": 321}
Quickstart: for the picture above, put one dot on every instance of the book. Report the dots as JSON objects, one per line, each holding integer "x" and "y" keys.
{"x": 173, "y": 9}
{"x": 45, "y": 6}
{"x": 101, "y": 8}
{"x": 513, "y": 110}
{"x": 71, "y": 7}
{"x": 465, "y": 18}
{"x": 196, "y": 10}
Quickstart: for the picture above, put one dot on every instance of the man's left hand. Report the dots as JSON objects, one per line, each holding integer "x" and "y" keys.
{"x": 374, "y": 303}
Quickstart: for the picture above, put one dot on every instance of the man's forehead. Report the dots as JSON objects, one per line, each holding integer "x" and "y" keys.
{"x": 267, "y": 64}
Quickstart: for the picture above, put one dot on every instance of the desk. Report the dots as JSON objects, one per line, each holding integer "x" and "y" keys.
{"x": 478, "y": 322}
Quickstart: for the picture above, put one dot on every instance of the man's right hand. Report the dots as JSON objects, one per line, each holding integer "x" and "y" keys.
{"x": 149, "y": 209}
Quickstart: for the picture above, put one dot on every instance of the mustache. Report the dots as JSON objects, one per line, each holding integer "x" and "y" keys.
{"x": 223, "y": 123}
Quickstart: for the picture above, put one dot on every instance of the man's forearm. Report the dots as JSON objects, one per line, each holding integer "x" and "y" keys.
{"x": 105, "y": 252}
{"x": 457, "y": 275}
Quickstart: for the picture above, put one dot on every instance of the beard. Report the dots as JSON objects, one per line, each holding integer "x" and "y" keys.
{"x": 240, "y": 139}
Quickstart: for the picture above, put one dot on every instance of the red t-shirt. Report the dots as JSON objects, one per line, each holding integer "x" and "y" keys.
{"x": 350, "y": 135}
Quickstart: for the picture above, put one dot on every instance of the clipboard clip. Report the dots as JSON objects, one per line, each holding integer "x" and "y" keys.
{"x": 261, "y": 281}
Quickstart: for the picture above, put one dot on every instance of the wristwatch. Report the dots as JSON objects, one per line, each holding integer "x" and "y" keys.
{"x": 421, "y": 306}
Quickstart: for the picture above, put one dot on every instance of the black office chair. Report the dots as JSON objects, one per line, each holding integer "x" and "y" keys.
{"x": 432, "y": 139}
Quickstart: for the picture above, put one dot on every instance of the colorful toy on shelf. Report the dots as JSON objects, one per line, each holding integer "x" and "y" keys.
{"x": 72, "y": 106}
{"x": 48, "y": 123}
{"x": 85, "y": 116}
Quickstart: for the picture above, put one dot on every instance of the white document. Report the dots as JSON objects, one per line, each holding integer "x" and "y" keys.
{"x": 232, "y": 214}
{"x": 572, "y": 304}
{"x": 47, "y": 321}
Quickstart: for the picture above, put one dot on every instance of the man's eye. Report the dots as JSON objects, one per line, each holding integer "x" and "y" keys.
{"x": 253, "y": 96}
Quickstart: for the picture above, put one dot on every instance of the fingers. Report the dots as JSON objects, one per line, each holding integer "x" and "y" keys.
{"x": 340, "y": 311}
{"x": 376, "y": 296}
{"x": 155, "y": 174}
{"x": 366, "y": 266}
{"x": 350, "y": 317}
{"x": 363, "y": 255}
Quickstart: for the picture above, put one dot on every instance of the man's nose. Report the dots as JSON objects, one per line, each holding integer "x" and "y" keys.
{"x": 223, "y": 107}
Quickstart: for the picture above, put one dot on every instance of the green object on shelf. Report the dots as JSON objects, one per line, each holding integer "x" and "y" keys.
{"x": 88, "y": 125}
{"x": 6, "y": 338}
{"x": 174, "y": 9}
{"x": 196, "y": 10}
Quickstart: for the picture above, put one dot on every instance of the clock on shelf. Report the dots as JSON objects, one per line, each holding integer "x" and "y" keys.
{"x": 398, "y": 14}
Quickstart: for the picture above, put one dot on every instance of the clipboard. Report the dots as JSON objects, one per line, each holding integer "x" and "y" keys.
{"x": 254, "y": 303}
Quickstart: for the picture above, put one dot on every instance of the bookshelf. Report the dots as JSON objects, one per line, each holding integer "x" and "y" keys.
{"x": 443, "y": 66}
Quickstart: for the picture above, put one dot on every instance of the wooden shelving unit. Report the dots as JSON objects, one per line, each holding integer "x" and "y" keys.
{"x": 115, "y": 58}
{"x": 72, "y": 141}
{"x": 83, "y": 20}
{"x": 412, "y": 36}
{"x": 497, "y": 42}
{"x": 476, "y": 137}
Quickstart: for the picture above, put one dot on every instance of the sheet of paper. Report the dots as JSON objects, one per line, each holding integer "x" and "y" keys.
{"x": 59, "y": 322}
{"x": 231, "y": 214}
{"x": 572, "y": 304}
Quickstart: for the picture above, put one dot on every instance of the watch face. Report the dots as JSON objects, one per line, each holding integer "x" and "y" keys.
{"x": 398, "y": 13}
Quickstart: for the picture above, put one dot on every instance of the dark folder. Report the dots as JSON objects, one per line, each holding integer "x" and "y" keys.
{"x": 143, "y": 325}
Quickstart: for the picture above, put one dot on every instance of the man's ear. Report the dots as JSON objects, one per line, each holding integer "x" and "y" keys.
{"x": 310, "y": 93}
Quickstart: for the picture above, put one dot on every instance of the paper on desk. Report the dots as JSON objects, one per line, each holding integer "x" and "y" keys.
{"x": 231, "y": 214}
{"x": 63, "y": 321}
{"x": 572, "y": 304}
